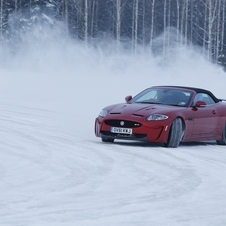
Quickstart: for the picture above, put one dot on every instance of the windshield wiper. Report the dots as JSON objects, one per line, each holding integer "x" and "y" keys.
{"x": 147, "y": 102}
{"x": 177, "y": 105}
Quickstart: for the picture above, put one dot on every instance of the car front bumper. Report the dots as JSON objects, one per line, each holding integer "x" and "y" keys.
{"x": 154, "y": 131}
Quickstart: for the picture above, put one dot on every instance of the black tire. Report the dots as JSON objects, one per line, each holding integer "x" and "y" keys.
{"x": 175, "y": 133}
{"x": 222, "y": 141}
{"x": 107, "y": 140}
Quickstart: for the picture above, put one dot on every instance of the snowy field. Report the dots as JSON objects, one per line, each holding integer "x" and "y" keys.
{"x": 55, "y": 172}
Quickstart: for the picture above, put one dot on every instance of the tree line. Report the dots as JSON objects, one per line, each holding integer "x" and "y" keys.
{"x": 137, "y": 22}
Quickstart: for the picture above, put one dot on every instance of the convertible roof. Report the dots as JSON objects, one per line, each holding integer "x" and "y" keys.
{"x": 197, "y": 90}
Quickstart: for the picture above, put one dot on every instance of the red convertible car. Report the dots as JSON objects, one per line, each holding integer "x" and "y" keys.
{"x": 165, "y": 114}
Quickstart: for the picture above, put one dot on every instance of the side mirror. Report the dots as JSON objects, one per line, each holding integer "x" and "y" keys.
{"x": 200, "y": 103}
{"x": 128, "y": 98}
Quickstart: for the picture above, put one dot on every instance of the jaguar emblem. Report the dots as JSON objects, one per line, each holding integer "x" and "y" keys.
{"x": 122, "y": 123}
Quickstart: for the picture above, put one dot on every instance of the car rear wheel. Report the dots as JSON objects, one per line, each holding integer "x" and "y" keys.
{"x": 222, "y": 141}
{"x": 107, "y": 140}
{"x": 175, "y": 134}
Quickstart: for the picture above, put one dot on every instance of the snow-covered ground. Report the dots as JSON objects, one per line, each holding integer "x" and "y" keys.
{"x": 55, "y": 172}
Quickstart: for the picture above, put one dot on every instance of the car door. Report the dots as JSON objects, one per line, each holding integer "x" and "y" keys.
{"x": 205, "y": 117}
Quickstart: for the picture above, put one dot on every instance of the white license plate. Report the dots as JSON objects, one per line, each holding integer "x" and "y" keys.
{"x": 121, "y": 130}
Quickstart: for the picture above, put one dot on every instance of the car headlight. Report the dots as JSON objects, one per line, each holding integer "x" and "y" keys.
{"x": 103, "y": 113}
{"x": 156, "y": 117}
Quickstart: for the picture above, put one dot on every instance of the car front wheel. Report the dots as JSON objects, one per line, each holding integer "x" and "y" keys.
{"x": 175, "y": 134}
{"x": 222, "y": 141}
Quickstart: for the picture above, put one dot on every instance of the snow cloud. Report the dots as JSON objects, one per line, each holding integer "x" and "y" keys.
{"x": 48, "y": 62}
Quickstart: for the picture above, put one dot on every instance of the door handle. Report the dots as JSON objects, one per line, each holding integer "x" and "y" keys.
{"x": 214, "y": 112}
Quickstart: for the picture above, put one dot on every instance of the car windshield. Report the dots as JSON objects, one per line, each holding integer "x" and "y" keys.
{"x": 165, "y": 96}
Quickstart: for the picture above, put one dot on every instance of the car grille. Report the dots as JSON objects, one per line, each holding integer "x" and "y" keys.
{"x": 123, "y": 123}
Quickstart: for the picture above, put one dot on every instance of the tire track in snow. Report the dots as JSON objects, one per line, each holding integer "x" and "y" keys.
{"x": 47, "y": 175}
{"x": 181, "y": 177}
{"x": 46, "y": 161}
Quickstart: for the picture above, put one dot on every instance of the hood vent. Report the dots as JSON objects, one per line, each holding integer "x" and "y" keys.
{"x": 115, "y": 113}
{"x": 138, "y": 115}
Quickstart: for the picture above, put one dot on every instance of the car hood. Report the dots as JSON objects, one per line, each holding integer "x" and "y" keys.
{"x": 142, "y": 110}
